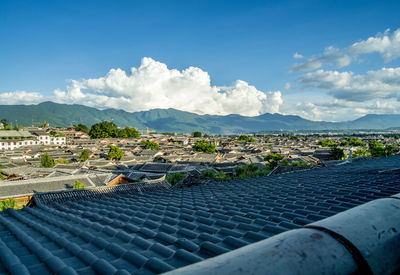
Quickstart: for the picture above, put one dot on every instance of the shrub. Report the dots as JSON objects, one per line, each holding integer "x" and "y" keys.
{"x": 115, "y": 153}
{"x": 84, "y": 155}
{"x": 250, "y": 171}
{"x": 285, "y": 162}
{"x": 175, "y": 178}
{"x": 79, "y": 185}
{"x": 9, "y": 203}
{"x": 295, "y": 138}
{"x": 336, "y": 153}
{"x": 214, "y": 175}
{"x": 196, "y": 134}
{"x": 204, "y": 146}
{"x": 46, "y": 161}
{"x": 301, "y": 164}
{"x": 151, "y": 145}
{"x": 62, "y": 161}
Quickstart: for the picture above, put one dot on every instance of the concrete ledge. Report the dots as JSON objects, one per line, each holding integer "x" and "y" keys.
{"x": 374, "y": 229}
{"x": 300, "y": 251}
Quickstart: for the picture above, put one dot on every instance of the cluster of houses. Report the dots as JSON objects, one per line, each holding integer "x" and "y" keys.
{"x": 22, "y": 174}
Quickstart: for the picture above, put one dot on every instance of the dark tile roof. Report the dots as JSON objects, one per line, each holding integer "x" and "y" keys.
{"x": 157, "y": 231}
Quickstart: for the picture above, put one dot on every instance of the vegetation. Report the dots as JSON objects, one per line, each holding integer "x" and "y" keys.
{"x": 84, "y": 155}
{"x": 244, "y": 138}
{"x": 175, "y": 178}
{"x": 2, "y": 176}
{"x": 251, "y": 171}
{"x": 352, "y": 141}
{"x": 204, "y": 146}
{"x": 79, "y": 185}
{"x": 285, "y": 162}
{"x": 327, "y": 143}
{"x": 107, "y": 129}
{"x": 295, "y": 138}
{"x": 360, "y": 152}
{"x": 336, "y": 153}
{"x": 9, "y": 203}
{"x": 196, "y": 134}
{"x": 214, "y": 175}
{"x": 273, "y": 160}
{"x": 115, "y": 153}
{"x": 82, "y": 128}
{"x": 151, "y": 145}
{"x": 301, "y": 164}
{"x": 168, "y": 134}
{"x": 6, "y": 126}
{"x": 62, "y": 161}
{"x": 46, "y": 161}
{"x": 378, "y": 150}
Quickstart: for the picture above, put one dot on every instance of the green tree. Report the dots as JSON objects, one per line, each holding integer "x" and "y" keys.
{"x": 327, "y": 143}
{"x": 79, "y": 185}
{"x": 5, "y": 122}
{"x": 84, "y": 155}
{"x": 128, "y": 132}
{"x": 336, "y": 153}
{"x": 53, "y": 133}
{"x": 103, "y": 129}
{"x": 376, "y": 148}
{"x": 204, "y": 146}
{"x": 115, "y": 153}
{"x": 175, "y": 178}
{"x": 9, "y": 203}
{"x": 352, "y": 141}
{"x": 360, "y": 152}
{"x": 46, "y": 161}
{"x": 151, "y": 145}
{"x": 82, "y": 128}
{"x": 391, "y": 149}
{"x": 196, "y": 134}
{"x": 273, "y": 160}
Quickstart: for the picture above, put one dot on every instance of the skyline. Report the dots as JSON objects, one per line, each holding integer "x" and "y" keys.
{"x": 329, "y": 60}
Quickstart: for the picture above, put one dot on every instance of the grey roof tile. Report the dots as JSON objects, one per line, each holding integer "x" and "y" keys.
{"x": 160, "y": 230}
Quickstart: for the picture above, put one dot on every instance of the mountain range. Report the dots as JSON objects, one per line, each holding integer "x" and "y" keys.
{"x": 172, "y": 120}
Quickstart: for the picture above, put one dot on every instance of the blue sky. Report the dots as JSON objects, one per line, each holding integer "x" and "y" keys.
{"x": 246, "y": 48}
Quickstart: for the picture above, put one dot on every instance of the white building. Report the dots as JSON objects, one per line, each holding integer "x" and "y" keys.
{"x": 9, "y": 140}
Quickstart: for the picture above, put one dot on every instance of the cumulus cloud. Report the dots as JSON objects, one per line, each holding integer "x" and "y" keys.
{"x": 340, "y": 110}
{"x": 386, "y": 44}
{"x": 380, "y": 84}
{"x": 20, "y": 97}
{"x": 297, "y": 56}
{"x": 154, "y": 85}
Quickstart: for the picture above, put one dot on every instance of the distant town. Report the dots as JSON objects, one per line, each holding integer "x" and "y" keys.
{"x": 43, "y": 158}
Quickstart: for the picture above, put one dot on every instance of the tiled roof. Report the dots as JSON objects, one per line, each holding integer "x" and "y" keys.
{"x": 161, "y": 230}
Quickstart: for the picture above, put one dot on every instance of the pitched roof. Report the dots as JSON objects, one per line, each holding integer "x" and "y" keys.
{"x": 157, "y": 231}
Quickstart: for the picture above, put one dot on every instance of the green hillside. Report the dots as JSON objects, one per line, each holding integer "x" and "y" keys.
{"x": 172, "y": 120}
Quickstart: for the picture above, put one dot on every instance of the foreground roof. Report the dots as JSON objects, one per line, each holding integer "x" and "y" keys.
{"x": 161, "y": 230}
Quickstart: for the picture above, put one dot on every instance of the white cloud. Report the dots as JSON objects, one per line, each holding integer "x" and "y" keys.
{"x": 297, "y": 56}
{"x": 153, "y": 85}
{"x": 380, "y": 84}
{"x": 386, "y": 44}
{"x": 288, "y": 86}
{"x": 20, "y": 97}
{"x": 340, "y": 110}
